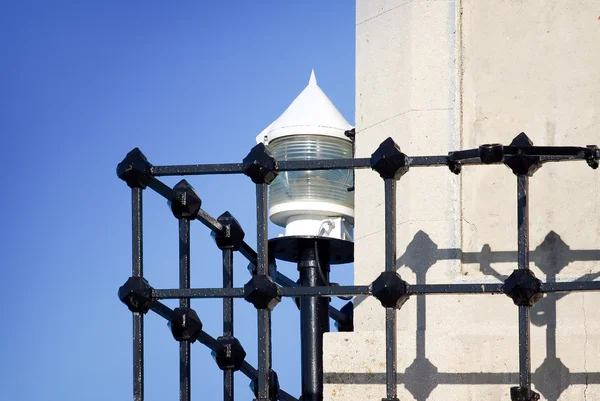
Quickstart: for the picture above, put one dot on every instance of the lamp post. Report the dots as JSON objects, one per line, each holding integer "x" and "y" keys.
{"x": 317, "y": 210}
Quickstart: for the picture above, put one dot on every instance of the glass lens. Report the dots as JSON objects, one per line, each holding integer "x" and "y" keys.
{"x": 317, "y": 186}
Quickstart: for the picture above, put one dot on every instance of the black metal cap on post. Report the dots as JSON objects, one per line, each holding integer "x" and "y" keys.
{"x": 523, "y": 287}
{"x": 188, "y": 204}
{"x": 231, "y": 354}
{"x": 136, "y": 293}
{"x": 187, "y": 327}
{"x": 389, "y": 161}
{"x": 232, "y": 236}
{"x": 390, "y": 289}
{"x": 135, "y": 169}
{"x": 523, "y": 394}
{"x": 259, "y": 165}
{"x": 262, "y": 292}
{"x": 521, "y": 164}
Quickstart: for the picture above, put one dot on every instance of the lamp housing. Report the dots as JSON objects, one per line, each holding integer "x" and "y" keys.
{"x": 314, "y": 202}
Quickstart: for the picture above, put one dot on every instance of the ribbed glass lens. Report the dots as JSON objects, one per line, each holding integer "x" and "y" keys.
{"x": 317, "y": 186}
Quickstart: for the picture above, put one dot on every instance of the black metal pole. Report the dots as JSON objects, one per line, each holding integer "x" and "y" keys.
{"x": 264, "y": 315}
{"x": 523, "y": 263}
{"x": 184, "y": 283}
{"x": 228, "y": 319}
{"x": 138, "y": 317}
{"x": 390, "y": 266}
{"x": 313, "y": 264}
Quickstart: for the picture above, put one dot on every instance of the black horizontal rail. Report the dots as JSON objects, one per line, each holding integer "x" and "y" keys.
{"x": 571, "y": 286}
{"x": 466, "y": 157}
{"x": 198, "y": 169}
{"x": 349, "y": 290}
{"x": 195, "y": 293}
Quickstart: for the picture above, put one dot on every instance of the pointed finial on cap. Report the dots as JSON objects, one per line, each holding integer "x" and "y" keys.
{"x": 313, "y": 79}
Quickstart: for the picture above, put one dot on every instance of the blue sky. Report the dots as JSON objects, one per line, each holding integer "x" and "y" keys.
{"x": 81, "y": 84}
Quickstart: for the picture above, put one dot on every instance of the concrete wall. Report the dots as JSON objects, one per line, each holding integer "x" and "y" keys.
{"x": 445, "y": 75}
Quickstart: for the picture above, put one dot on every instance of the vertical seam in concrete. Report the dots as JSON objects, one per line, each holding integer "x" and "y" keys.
{"x": 585, "y": 344}
{"x": 453, "y": 136}
{"x": 458, "y": 37}
{"x": 460, "y": 67}
{"x": 356, "y": 92}
{"x": 596, "y": 210}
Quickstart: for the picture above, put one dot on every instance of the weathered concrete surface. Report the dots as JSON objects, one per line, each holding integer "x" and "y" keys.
{"x": 459, "y": 366}
{"x": 443, "y": 75}
{"x": 406, "y": 90}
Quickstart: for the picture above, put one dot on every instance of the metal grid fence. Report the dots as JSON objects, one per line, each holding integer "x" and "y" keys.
{"x": 267, "y": 285}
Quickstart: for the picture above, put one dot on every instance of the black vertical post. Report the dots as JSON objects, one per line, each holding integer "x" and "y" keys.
{"x": 184, "y": 303}
{"x": 313, "y": 264}
{"x": 138, "y": 317}
{"x": 522, "y": 285}
{"x": 264, "y": 315}
{"x": 390, "y": 266}
{"x": 523, "y": 263}
{"x": 421, "y": 317}
{"x": 228, "y": 319}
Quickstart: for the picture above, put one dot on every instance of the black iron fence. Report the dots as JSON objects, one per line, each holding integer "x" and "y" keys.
{"x": 313, "y": 256}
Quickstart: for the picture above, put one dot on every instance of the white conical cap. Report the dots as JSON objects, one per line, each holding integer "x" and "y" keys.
{"x": 310, "y": 113}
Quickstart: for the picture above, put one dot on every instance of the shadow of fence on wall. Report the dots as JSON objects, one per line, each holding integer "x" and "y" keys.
{"x": 551, "y": 378}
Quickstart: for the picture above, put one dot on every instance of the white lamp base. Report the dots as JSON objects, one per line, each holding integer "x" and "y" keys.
{"x": 310, "y": 225}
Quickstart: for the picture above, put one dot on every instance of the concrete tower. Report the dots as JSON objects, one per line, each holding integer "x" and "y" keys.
{"x": 444, "y": 75}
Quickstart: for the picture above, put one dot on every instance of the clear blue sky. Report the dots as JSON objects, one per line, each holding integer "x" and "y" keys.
{"x": 82, "y": 83}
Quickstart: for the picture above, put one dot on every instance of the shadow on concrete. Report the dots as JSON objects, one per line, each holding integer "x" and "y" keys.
{"x": 551, "y": 378}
